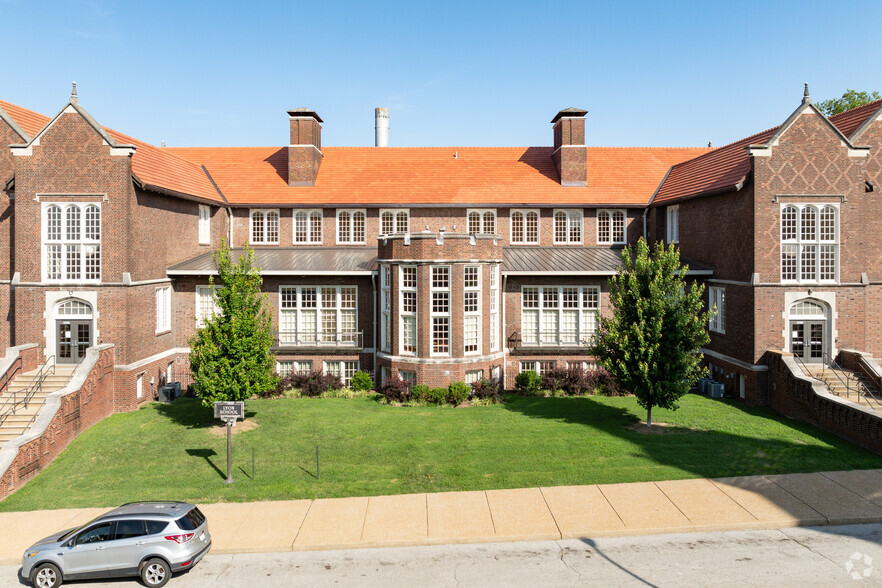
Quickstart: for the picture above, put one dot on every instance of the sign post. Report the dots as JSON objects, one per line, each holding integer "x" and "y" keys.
{"x": 229, "y": 412}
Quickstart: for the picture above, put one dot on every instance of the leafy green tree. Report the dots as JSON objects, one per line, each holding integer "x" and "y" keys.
{"x": 650, "y": 344}
{"x": 230, "y": 356}
{"x": 851, "y": 99}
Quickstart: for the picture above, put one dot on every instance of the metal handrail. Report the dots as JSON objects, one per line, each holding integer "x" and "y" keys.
{"x": 10, "y": 371}
{"x": 829, "y": 361}
{"x": 35, "y": 386}
{"x": 868, "y": 393}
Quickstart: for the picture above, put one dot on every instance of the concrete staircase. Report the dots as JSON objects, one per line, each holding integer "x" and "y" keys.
{"x": 847, "y": 384}
{"x": 17, "y": 424}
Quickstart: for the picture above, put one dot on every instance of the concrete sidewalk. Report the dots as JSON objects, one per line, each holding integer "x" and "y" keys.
{"x": 564, "y": 512}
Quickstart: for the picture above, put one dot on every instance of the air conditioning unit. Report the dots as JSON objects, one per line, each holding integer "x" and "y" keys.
{"x": 703, "y": 386}
{"x": 716, "y": 390}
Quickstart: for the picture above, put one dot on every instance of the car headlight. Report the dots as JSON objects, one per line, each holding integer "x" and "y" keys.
{"x": 31, "y": 554}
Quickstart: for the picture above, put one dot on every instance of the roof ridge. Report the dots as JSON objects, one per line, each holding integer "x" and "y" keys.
{"x": 874, "y": 104}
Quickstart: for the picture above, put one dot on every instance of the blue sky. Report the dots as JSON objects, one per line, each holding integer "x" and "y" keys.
{"x": 452, "y": 73}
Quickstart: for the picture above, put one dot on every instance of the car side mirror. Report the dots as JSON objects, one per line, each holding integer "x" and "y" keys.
{"x": 68, "y": 543}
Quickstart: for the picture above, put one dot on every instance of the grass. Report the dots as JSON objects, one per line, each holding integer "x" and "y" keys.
{"x": 367, "y": 448}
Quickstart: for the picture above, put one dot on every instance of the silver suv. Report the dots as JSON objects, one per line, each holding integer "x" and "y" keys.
{"x": 148, "y": 539}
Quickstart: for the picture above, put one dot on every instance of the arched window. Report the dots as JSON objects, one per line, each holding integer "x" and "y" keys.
{"x": 53, "y": 223}
{"x": 93, "y": 223}
{"x": 265, "y": 226}
{"x": 358, "y": 227}
{"x": 73, "y": 223}
{"x": 517, "y": 227}
{"x": 258, "y": 228}
{"x": 603, "y": 227}
{"x": 308, "y": 226}
{"x": 618, "y": 226}
{"x": 315, "y": 226}
{"x": 489, "y": 223}
{"x": 807, "y": 308}
{"x": 350, "y": 226}
{"x": 788, "y": 223}
{"x": 387, "y": 223}
{"x": 74, "y": 307}
{"x": 828, "y": 223}
{"x": 531, "y": 233}
{"x": 401, "y": 222}
{"x": 560, "y": 227}
{"x": 808, "y": 224}
{"x": 474, "y": 222}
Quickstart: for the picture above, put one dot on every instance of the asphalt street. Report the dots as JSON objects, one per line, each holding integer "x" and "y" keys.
{"x": 817, "y": 556}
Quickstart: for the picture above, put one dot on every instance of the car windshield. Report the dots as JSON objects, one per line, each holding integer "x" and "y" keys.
{"x": 76, "y": 529}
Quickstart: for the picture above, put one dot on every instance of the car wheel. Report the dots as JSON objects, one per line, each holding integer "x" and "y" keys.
{"x": 46, "y": 576}
{"x": 155, "y": 573}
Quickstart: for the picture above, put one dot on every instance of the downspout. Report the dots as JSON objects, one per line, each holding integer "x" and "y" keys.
{"x": 230, "y": 215}
{"x": 374, "y": 296}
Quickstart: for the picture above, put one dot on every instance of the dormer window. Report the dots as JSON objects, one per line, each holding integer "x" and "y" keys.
{"x": 482, "y": 221}
{"x": 394, "y": 222}
{"x": 350, "y": 227}
{"x": 611, "y": 227}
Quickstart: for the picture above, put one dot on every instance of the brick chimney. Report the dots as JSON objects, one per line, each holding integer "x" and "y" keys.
{"x": 570, "y": 154}
{"x": 305, "y": 149}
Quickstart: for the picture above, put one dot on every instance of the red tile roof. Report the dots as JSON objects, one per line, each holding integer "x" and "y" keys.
{"x": 153, "y": 166}
{"x": 491, "y": 176}
{"x": 727, "y": 167}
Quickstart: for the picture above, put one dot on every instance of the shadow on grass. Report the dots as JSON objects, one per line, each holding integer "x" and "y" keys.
{"x": 708, "y": 453}
{"x": 190, "y": 413}
{"x": 207, "y": 454}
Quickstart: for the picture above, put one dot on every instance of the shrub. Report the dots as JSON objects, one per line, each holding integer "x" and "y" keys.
{"x": 457, "y": 393}
{"x": 361, "y": 382}
{"x": 485, "y": 390}
{"x": 604, "y": 384}
{"x": 528, "y": 383}
{"x": 419, "y": 392}
{"x": 437, "y": 395}
{"x": 395, "y": 390}
{"x": 317, "y": 383}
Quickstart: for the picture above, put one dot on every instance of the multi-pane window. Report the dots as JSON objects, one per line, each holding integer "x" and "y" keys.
{"x": 581, "y": 365}
{"x": 494, "y": 308}
{"x": 265, "y": 227}
{"x": 394, "y": 222}
{"x": 540, "y": 367}
{"x": 673, "y": 213}
{"x": 567, "y": 226}
{"x": 716, "y": 298}
{"x": 308, "y": 226}
{"x": 318, "y": 315}
{"x": 471, "y": 308}
{"x": 286, "y": 367}
{"x": 482, "y": 221}
{"x": 610, "y": 227}
{"x": 342, "y": 369}
{"x": 204, "y": 224}
{"x": 407, "y": 308}
{"x": 809, "y": 243}
{"x": 440, "y": 291}
{"x": 408, "y": 376}
{"x": 206, "y": 304}
{"x": 559, "y": 315}
{"x": 525, "y": 227}
{"x": 72, "y": 242}
{"x": 473, "y": 376}
{"x": 385, "y": 307}
{"x": 163, "y": 309}
{"x": 350, "y": 226}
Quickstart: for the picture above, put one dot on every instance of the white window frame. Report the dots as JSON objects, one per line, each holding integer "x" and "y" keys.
{"x": 408, "y": 376}
{"x": 349, "y": 239}
{"x": 799, "y": 245}
{"x": 343, "y": 368}
{"x": 716, "y": 297}
{"x": 395, "y": 212}
{"x": 472, "y": 376}
{"x": 406, "y": 315}
{"x": 611, "y": 212}
{"x": 481, "y": 212}
{"x": 289, "y": 366}
{"x": 204, "y": 224}
{"x": 472, "y": 315}
{"x": 540, "y": 366}
{"x": 139, "y": 385}
{"x": 264, "y": 213}
{"x": 201, "y": 292}
{"x": 163, "y": 309}
{"x": 494, "y": 307}
{"x": 574, "y": 219}
{"x": 311, "y": 237}
{"x": 433, "y": 289}
{"x": 316, "y": 338}
{"x": 523, "y": 226}
{"x": 83, "y": 244}
{"x": 587, "y": 312}
{"x": 673, "y": 216}
{"x": 385, "y": 307}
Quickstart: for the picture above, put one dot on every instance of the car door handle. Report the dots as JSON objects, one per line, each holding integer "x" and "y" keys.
{"x": 140, "y": 543}
{"x": 100, "y": 547}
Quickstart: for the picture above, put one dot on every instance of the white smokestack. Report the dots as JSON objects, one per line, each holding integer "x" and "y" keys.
{"x": 381, "y": 127}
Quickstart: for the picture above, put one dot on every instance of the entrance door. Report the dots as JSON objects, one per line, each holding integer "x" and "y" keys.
{"x": 807, "y": 340}
{"x": 74, "y": 337}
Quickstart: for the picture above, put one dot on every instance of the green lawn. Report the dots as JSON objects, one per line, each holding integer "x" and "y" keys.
{"x": 366, "y": 448}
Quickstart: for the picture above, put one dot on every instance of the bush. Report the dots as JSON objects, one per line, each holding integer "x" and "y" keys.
{"x": 437, "y": 395}
{"x": 419, "y": 393}
{"x": 395, "y": 390}
{"x": 486, "y": 390}
{"x": 528, "y": 383}
{"x": 604, "y": 384}
{"x": 457, "y": 393}
{"x": 317, "y": 383}
{"x": 361, "y": 382}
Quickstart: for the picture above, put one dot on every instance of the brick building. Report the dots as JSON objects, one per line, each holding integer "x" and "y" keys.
{"x": 436, "y": 264}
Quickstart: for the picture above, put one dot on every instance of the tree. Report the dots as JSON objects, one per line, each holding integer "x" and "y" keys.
{"x": 851, "y": 99}
{"x": 230, "y": 356}
{"x": 650, "y": 345}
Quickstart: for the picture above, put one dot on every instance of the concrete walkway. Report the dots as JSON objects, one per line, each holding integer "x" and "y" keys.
{"x": 564, "y": 512}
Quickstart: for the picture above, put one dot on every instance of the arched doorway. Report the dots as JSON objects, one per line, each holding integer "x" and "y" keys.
{"x": 73, "y": 329}
{"x": 809, "y": 340}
